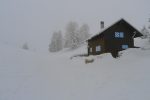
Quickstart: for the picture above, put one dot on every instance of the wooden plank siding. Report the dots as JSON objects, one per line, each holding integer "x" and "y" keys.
{"x": 93, "y": 44}
{"x": 113, "y": 43}
{"x": 109, "y": 43}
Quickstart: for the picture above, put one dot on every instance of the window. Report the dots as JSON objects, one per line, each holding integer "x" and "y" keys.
{"x": 90, "y": 49}
{"x": 119, "y": 34}
{"x": 124, "y": 46}
{"x": 98, "y": 48}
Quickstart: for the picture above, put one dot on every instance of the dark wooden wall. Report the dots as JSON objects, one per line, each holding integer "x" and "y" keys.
{"x": 108, "y": 41}
{"x": 113, "y": 43}
{"x": 92, "y": 44}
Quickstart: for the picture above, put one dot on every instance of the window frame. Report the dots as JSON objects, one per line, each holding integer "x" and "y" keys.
{"x": 119, "y": 34}
{"x": 124, "y": 46}
{"x": 98, "y": 48}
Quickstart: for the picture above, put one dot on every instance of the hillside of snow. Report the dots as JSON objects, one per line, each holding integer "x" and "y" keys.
{"x": 27, "y": 75}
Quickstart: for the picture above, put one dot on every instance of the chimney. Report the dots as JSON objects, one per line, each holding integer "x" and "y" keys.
{"x": 102, "y": 25}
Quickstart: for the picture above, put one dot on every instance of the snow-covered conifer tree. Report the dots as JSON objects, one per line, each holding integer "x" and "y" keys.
{"x": 25, "y": 46}
{"x": 72, "y": 35}
{"x": 145, "y": 32}
{"x": 84, "y": 32}
{"x": 56, "y": 42}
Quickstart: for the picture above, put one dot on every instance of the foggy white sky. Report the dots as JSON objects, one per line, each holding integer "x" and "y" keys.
{"x": 34, "y": 21}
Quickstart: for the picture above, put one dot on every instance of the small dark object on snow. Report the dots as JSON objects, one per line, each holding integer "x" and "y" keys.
{"x": 89, "y": 61}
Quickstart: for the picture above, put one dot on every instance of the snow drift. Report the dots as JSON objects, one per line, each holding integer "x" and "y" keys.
{"x": 27, "y": 75}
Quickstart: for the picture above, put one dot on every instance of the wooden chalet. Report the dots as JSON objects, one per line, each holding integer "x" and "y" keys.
{"x": 117, "y": 37}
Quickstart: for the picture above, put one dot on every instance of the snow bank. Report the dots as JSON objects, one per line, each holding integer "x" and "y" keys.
{"x": 27, "y": 75}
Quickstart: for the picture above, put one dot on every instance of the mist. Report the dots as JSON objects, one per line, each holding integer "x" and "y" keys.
{"x": 34, "y": 21}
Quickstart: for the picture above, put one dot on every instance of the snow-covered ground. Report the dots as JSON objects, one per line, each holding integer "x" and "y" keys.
{"x": 27, "y": 75}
